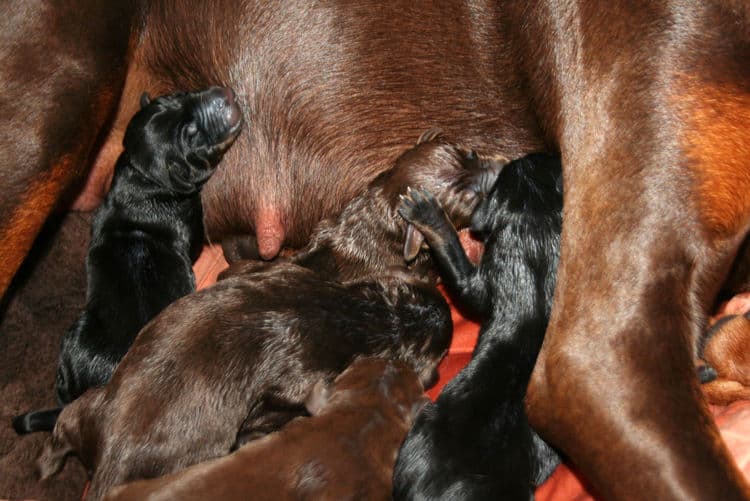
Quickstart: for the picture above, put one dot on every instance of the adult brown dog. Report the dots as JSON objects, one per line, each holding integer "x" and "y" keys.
{"x": 649, "y": 105}
{"x": 346, "y": 450}
{"x": 726, "y": 355}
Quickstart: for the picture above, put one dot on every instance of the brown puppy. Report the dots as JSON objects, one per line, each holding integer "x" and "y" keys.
{"x": 648, "y": 104}
{"x": 346, "y": 450}
{"x": 726, "y": 352}
{"x": 249, "y": 348}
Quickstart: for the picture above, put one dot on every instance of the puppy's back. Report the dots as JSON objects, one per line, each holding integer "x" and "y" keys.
{"x": 345, "y": 451}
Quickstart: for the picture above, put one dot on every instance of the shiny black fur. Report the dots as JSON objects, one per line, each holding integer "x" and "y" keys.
{"x": 144, "y": 237}
{"x": 475, "y": 441}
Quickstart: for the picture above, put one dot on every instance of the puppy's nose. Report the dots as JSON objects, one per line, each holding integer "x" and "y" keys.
{"x": 224, "y": 100}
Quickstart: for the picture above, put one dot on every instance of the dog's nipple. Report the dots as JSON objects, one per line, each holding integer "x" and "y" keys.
{"x": 269, "y": 232}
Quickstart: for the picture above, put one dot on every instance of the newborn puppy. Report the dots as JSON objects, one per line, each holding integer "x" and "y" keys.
{"x": 345, "y": 451}
{"x": 725, "y": 349}
{"x": 145, "y": 235}
{"x": 248, "y": 349}
{"x": 475, "y": 441}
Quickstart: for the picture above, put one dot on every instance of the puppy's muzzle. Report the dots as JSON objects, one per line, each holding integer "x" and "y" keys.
{"x": 222, "y": 101}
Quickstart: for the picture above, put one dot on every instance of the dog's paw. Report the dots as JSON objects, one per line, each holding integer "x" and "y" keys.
{"x": 706, "y": 373}
{"x": 420, "y": 208}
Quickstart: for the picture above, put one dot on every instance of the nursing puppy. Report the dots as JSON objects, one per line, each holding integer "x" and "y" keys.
{"x": 244, "y": 352}
{"x": 145, "y": 235}
{"x": 725, "y": 353}
{"x": 475, "y": 441}
{"x": 346, "y": 450}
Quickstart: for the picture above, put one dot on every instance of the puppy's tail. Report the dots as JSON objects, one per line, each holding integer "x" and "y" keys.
{"x": 36, "y": 421}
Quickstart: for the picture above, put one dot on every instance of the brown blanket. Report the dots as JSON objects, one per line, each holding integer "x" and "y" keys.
{"x": 48, "y": 295}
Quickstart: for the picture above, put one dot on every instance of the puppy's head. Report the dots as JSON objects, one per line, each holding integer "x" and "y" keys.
{"x": 530, "y": 184}
{"x": 177, "y": 140}
{"x": 458, "y": 178}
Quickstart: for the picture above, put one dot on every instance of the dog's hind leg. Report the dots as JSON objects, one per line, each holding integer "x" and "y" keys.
{"x": 72, "y": 433}
{"x": 55, "y": 107}
{"x": 652, "y": 221}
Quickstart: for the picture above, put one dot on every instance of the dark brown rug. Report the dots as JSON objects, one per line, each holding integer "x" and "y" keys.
{"x": 47, "y": 295}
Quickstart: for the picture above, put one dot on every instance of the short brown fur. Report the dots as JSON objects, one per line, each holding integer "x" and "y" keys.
{"x": 346, "y": 450}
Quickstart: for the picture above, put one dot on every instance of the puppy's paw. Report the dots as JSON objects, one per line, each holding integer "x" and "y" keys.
{"x": 426, "y": 220}
{"x": 420, "y": 208}
{"x": 706, "y": 373}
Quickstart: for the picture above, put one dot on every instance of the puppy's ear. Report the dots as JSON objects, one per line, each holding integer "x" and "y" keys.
{"x": 145, "y": 99}
{"x": 412, "y": 243}
{"x": 318, "y": 397}
{"x": 430, "y": 135}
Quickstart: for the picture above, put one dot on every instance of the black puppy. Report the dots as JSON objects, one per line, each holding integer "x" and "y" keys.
{"x": 475, "y": 441}
{"x": 145, "y": 235}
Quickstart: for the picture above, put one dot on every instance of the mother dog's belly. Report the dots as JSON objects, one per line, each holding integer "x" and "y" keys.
{"x": 331, "y": 96}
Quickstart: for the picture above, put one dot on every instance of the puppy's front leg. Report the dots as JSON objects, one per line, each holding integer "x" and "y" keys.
{"x": 419, "y": 208}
